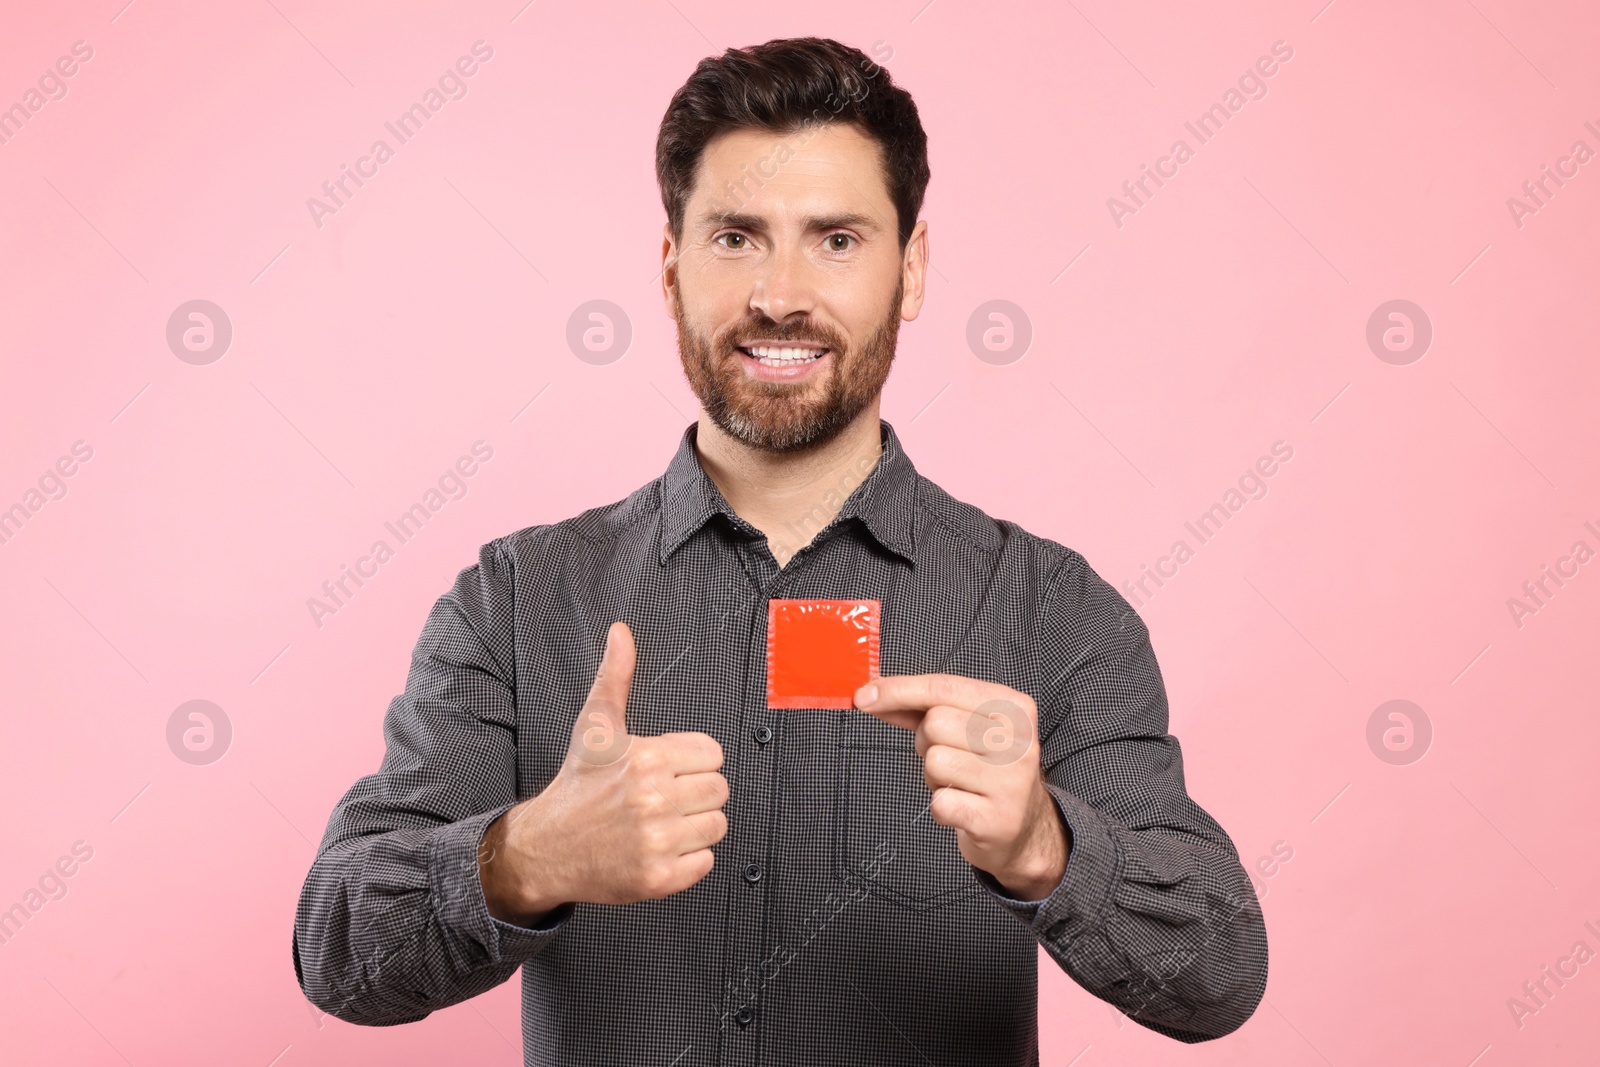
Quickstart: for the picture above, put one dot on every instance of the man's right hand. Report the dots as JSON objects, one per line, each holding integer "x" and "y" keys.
{"x": 625, "y": 819}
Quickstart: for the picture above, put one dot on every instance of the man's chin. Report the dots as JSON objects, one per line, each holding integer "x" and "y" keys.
{"x": 764, "y": 436}
{"x": 774, "y": 428}
{"x": 768, "y": 431}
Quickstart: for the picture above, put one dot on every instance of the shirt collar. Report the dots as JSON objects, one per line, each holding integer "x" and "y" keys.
{"x": 884, "y": 502}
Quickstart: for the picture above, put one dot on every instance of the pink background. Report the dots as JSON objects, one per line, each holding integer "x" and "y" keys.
{"x": 1227, "y": 314}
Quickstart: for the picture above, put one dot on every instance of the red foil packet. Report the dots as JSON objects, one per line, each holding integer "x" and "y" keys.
{"x": 819, "y": 652}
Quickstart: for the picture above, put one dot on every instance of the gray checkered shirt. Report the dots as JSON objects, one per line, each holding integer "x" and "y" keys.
{"x": 841, "y": 924}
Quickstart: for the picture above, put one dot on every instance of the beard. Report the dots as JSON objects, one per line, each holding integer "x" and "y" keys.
{"x": 785, "y": 416}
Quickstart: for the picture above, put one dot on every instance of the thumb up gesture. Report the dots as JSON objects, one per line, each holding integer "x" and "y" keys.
{"x": 627, "y": 818}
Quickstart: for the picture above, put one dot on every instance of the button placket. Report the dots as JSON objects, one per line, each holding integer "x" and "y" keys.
{"x": 748, "y": 830}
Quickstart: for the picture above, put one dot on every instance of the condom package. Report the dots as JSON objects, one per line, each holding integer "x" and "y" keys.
{"x": 819, "y": 652}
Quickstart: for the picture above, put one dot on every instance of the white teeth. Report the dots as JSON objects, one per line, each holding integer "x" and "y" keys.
{"x": 774, "y": 356}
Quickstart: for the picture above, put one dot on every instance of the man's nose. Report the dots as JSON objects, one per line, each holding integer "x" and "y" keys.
{"x": 784, "y": 285}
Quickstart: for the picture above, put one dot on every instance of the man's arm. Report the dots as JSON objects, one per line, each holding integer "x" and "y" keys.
{"x": 1144, "y": 901}
{"x": 1154, "y": 913}
{"x": 392, "y": 922}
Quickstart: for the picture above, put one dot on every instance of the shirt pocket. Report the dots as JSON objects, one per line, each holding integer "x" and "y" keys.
{"x": 886, "y": 842}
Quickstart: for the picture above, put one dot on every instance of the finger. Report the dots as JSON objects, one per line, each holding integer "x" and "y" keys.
{"x": 690, "y": 832}
{"x": 942, "y": 724}
{"x": 694, "y": 793}
{"x": 615, "y": 675}
{"x": 687, "y": 752}
{"x": 709, "y": 827}
{"x": 957, "y": 808}
{"x": 600, "y": 732}
{"x": 944, "y": 766}
{"x": 892, "y": 695}
{"x": 694, "y": 866}
{"x": 686, "y": 870}
{"x": 999, "y": 731}
{"x": 907, "y": 718}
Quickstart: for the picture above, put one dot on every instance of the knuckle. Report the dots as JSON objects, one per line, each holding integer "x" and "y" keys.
{"x": 644, "y": 800}
{"x": 657, "y": 880}
{"x": 653, "y": 839}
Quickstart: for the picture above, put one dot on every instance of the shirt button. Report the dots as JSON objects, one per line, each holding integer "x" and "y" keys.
{"x": 763, "y": 734}
{"x": 744, "y": 1016}
{"x": 752, "y": 873}
{"x": 1056, "y": 930}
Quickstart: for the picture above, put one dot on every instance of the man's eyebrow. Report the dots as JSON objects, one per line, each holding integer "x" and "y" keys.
{"x": 851, "y": 220}
{"x": 742, "y": 221}
{"x": 719, "y": 219}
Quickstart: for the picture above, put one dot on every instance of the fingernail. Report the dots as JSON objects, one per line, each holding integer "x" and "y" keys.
{"x": 867, "y": 694}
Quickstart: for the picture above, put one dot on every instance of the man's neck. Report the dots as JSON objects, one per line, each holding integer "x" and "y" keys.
{"x": 790, "y": 496}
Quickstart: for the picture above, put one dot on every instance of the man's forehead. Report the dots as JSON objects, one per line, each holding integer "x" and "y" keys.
{"x": 815, "y": 169}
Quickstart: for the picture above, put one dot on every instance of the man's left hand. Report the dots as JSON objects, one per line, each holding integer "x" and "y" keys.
{"x": 978, "y": 742}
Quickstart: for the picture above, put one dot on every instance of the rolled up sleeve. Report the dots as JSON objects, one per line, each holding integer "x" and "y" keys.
{"x": 1154, "y": 913}
{"x": 392, "y": 922}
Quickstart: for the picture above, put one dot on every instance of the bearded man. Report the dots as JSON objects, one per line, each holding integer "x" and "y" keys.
{"x": 788, "y": 757}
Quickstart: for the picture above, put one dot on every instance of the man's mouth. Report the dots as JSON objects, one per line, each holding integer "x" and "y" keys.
{"x": 783, "y": 355}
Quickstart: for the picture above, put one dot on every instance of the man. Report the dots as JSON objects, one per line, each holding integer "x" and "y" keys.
{"x": 584, "y": 777}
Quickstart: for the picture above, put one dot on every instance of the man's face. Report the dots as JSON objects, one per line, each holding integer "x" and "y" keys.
{"x": 789, "y": 285}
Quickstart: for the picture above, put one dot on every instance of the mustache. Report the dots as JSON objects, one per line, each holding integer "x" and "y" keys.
{"x": 792, "y": 334}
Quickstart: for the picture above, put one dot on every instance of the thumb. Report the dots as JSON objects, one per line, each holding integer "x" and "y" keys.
{"x": 615, "y": 676}
{"x": 600, "y": 735}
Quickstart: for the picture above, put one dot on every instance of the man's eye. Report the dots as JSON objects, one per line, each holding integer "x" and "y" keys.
{"x": 839, "y": 242}
{"x": 730, "y": 238}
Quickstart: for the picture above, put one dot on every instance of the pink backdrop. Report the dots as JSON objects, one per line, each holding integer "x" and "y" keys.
{"x": 1174, "y": 341}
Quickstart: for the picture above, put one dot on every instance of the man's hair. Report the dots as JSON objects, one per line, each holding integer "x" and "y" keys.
{"x": 786, "y": 86}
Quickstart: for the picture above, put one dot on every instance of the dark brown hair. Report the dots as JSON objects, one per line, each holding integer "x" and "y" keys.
{"x": 784, "y": 86}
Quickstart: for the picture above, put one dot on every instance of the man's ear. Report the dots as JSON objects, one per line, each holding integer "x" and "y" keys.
{"x": 914, "y": 272}
{"x": 669, "y": 270}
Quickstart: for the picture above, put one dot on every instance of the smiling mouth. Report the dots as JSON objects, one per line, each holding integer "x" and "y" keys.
{"x": 783, "y": 355}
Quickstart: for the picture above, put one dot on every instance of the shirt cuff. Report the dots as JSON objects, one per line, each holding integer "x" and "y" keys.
{"x": 458, "y": 896}
{"x": 1094, "y": 865}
